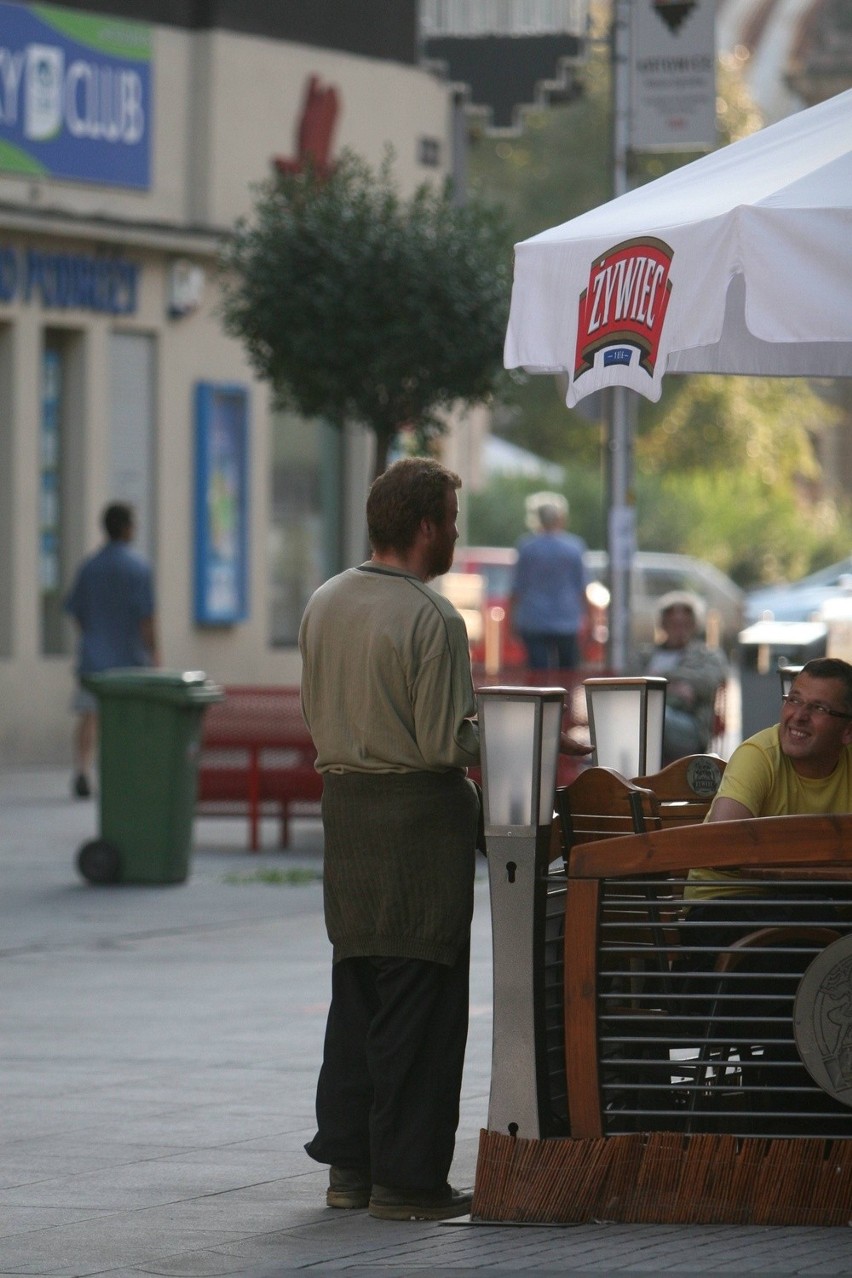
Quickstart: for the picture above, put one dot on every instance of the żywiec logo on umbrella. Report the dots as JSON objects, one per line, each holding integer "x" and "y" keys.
{"x": 622, "y": 312}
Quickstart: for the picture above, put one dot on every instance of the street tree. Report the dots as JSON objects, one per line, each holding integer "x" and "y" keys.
{"x": 360, "y": 305}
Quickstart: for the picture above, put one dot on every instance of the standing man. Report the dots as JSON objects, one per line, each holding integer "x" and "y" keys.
{"x": 548, "y": 604}
{"x": 112, "y": 601}
{"x": 388, "y": 698}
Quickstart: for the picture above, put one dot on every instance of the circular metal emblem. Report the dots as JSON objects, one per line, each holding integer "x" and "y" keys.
{"x": 822, "y": 1020}
{"x": 703, "y": 777}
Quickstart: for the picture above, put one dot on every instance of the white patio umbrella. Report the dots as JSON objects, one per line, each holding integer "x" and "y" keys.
{"x": 740, "y": 262}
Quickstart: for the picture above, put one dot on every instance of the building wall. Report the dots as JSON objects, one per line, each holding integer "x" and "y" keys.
{"x": 226, "y": 102}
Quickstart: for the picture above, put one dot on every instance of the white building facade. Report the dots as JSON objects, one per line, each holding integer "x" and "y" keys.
{"x": 130, "y": 138}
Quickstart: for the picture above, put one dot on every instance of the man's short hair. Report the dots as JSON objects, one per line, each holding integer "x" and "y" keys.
{"x": 117, "y": 518}
{"x": 409, "y": 491}
{"x": 831, "y": 668}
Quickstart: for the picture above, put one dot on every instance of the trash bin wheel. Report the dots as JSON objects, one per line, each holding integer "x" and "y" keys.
{"x": 99, "y": 861}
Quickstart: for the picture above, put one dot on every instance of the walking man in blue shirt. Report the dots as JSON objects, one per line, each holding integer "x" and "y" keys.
{"x": 549, "y": 590}
{"x": 112, "y": 601}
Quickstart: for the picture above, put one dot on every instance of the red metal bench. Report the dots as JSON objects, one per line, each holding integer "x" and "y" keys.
{"x": 256, "y": 752}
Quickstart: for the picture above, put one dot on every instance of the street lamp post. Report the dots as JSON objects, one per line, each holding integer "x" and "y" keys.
{"x": 519, "y": 736}
{"x": 626, "y": 719}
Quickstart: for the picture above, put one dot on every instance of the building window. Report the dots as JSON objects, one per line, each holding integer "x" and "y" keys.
{"x": 429, "y": 152}
{"x": 304, "y": 533}
{"x": 51, "y": 505}
{"x": 6, "y": 489}
{"x": 63, "y": 459}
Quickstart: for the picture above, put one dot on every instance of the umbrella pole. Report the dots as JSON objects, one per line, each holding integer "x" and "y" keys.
{"x": 621, "y": 522}
{"x": 621, "y": 526}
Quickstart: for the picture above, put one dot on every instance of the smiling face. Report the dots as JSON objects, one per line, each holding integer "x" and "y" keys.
{"x": 813, "y": 741}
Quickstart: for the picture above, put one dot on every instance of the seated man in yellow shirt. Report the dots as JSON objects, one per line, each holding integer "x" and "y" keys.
{"x": 802, "y": 765}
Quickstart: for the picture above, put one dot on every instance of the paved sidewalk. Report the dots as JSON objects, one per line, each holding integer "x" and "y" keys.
{"x": 158, "y": 1055}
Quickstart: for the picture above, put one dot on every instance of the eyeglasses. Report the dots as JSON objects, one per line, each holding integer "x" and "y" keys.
{"x": 815, "y": 708}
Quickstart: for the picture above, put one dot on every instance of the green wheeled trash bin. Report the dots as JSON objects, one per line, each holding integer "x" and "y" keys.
{"x": 150, "y": 737}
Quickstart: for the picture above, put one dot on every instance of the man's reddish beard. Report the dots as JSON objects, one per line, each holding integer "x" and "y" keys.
{"x": 441, "y": 560}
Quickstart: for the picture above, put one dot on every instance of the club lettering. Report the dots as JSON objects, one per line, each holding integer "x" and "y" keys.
{"x": 101, "y": 102}
{"x": 92, "y": 99}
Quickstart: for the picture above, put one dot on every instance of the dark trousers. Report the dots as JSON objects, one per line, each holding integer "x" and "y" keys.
{"x": 389, "y": 1087}
{"x": 551, "y": 652}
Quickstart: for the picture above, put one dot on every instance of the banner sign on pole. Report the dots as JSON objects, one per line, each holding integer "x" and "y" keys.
{"x": 673, "y": 75}
{"x": 75, "y": 96}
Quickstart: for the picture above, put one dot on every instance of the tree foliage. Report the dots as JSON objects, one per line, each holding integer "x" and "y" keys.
{"x": 360, "y": 305}
{"x": 764, "y": 424}
{"x": 753, "y": 530}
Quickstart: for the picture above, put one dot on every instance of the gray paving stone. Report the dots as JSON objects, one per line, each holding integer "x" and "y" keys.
{"x": 158, "y": 1062}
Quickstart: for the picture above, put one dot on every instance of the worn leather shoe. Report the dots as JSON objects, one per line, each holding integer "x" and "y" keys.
{"x": 348, "y": 1187}
{"x": 418, "y": 1204}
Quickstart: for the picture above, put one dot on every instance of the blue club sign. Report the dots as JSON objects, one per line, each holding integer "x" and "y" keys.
{"x": 75, "y": 96}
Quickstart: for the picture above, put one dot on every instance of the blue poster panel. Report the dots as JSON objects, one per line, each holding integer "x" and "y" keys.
{"x": 221, "y": 503}
{"x": 76, "y": 96}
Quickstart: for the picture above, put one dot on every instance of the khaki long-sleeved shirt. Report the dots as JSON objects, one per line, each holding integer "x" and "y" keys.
{"x": 386, "y": 682}
{"x": 388, "y": 697}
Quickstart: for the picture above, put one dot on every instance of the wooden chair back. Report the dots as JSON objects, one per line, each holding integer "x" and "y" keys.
{"x": 685, "y": 789}
{"x": 602, "y": 804}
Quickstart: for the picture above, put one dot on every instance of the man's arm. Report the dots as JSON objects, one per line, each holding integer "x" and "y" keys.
{"x": 727, "y": 810}
{"x": 697, "y": 675}
{"x": 746, "y": 783}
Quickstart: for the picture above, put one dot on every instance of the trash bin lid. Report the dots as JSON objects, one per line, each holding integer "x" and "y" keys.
{"x": 147, "y": 676}
{"x": 153, "y": 682}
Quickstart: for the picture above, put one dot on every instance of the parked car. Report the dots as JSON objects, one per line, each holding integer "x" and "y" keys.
{"x": 481, "y": 579}
{"x": 656, "y": 572}
{"x": 800, "y": 600}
